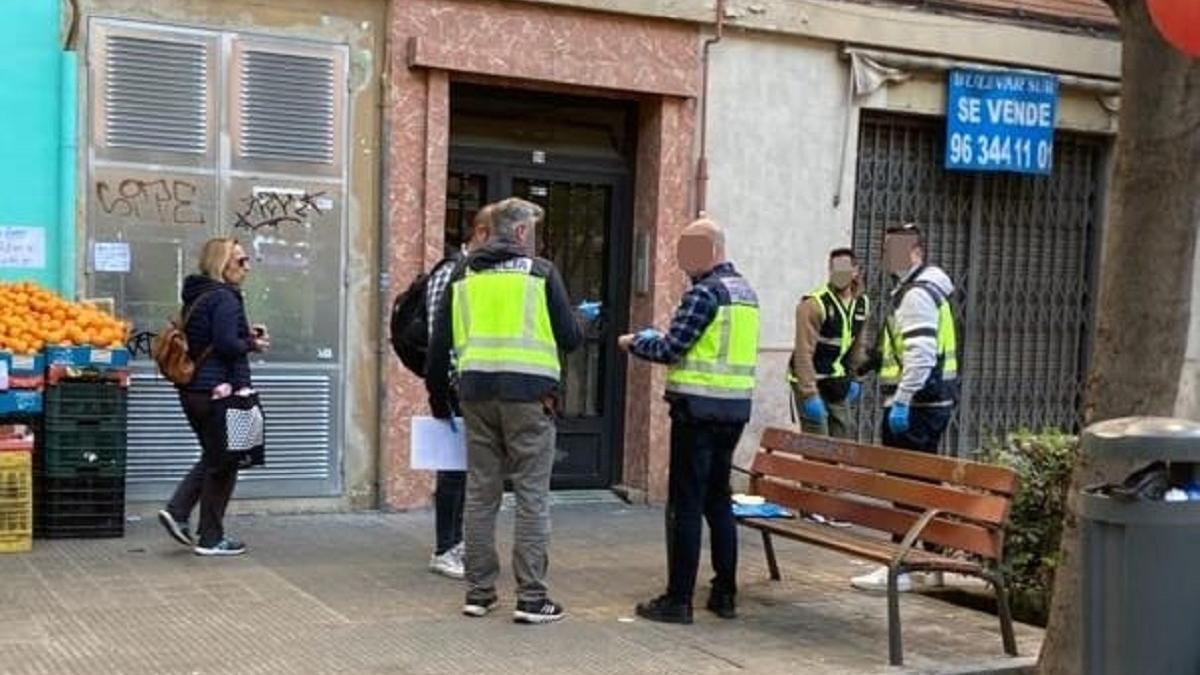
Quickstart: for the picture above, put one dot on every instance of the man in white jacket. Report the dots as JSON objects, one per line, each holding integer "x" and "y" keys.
{"x": 918, "y": 374}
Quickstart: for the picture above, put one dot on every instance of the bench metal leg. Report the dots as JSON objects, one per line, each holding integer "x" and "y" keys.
{"x": 769, "y": 548}
{"x": 895, "y": 645}
{"x": 1005, "y": 612}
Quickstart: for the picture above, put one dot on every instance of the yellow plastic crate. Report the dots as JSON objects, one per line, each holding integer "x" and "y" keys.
{"x": 16, "y": 501}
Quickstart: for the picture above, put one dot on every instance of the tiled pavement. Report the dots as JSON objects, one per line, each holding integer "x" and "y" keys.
{"x": 349, "y": 593}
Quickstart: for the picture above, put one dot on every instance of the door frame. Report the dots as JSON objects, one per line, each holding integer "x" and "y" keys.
{"x": 501, "y": 167}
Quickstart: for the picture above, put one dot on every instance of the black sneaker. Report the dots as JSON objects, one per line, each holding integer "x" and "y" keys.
{"x": 722, "y": 604}
{"x": 538, "y": 611}
{"x": 479, "y": 607}
{"x": 223, "y": 548}
{"x": 664, "y": 609}
{"x": 178, "y": 531}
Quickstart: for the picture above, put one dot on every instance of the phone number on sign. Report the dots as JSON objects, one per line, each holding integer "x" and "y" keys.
{"x": 984, "y": 150}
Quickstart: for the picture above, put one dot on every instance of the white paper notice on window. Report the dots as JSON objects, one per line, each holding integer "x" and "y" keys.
{"x": 3, "y": 375}
{"x": 111, "y": 256}
{"x": 438, "y": 446}
{"x": 22, "y": 247}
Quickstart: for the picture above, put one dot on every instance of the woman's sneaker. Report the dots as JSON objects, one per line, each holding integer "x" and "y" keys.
{"x": 178, "y": 531}
{"x": 538, "y": 611}
{"x": 225, "y": 547}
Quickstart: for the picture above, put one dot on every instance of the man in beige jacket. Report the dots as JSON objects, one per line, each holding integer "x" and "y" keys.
{"x": 830, "y": 345}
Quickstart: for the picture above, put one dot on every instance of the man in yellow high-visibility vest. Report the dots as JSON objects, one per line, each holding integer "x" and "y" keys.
{"x": 711, "y": 351}
{"x": 918, "y": 371}
{"x": 830, "y": 346}
{"x": 507, "y": 317}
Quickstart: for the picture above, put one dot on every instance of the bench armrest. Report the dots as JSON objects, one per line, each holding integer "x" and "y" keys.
{"x": 914, "y": 532}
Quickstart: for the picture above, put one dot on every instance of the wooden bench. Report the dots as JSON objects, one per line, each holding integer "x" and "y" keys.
{"x": 954, "y": 505}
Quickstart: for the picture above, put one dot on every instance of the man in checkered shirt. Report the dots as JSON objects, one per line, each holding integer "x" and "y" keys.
{"x": 450, "y": 494}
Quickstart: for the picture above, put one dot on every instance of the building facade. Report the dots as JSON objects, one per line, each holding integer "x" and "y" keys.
{"x": 349, "y": 144}
{"x": 823, "y": 126}
{"x": 258, "y": 120}
{"x": 37, "y": 138}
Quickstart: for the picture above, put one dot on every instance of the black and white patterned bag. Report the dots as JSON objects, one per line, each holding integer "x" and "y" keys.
{"x": 245, "y": 429}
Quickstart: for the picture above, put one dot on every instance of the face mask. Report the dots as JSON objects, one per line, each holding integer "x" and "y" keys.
{"x": 841, "y": 279}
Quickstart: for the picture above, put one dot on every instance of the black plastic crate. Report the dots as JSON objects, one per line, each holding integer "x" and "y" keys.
{"x": 72, "y": 400}
{"x": 78, "y": 507}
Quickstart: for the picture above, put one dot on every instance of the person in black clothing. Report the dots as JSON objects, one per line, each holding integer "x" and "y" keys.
{"x": 220, "y": 340}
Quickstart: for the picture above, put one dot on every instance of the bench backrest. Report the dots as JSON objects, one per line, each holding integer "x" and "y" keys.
{"x": 863, "y": 484}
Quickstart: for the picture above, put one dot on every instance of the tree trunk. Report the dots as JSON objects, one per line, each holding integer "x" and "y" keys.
{"x": 1146, "y": 278}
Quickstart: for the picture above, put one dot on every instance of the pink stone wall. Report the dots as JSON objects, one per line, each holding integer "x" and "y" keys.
{"x": 526, "y": 46}
{"x": 550, "y": 44}
{"x": 661, "y": 210}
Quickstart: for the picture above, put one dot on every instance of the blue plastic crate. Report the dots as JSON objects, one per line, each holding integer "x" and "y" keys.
{"x": 18, "y": 402}
{"x": 87, "y": 357}
{"x": 33, "y": 365}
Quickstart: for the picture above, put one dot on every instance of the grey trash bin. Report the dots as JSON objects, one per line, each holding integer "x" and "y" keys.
{"x": 1141, "y": 572}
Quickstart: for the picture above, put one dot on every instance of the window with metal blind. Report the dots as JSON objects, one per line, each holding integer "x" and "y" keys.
{"x": 157, "y": 94}
{"x": 160, "y": 98}
{"x": 285, "y": 102}
{"x": 1022, "y": 251}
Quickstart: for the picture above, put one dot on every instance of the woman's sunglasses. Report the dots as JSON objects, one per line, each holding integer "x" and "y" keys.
{"x": 243, "y": 262}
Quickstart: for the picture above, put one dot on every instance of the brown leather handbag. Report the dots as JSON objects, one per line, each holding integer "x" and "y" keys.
{"x": 169, "y": 349}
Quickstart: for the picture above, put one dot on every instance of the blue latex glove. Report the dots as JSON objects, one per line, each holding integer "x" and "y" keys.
{"x": 898, "y": 418}
{"x": 590, "y": 310}
{"x": 815, "y": 411}
{"x": 855, "y": 392}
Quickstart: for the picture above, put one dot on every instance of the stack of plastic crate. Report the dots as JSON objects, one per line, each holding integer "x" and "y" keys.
{"x": 80, "y": 463}
{"x": 24, "y": 376}
{"x": 16, "y": 488}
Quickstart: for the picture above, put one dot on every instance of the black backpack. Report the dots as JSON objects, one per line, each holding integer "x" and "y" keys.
{"x": 410, "y": 323}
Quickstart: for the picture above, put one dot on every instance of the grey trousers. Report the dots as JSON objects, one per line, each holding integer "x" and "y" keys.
{"x": 517, "y": 439}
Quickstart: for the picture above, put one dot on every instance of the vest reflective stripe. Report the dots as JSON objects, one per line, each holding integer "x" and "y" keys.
{"x": 947, "y": 346}
{"x": 514, "y": 335}
{"x": 723, "y": 361}
{"x": 839, "y": 326}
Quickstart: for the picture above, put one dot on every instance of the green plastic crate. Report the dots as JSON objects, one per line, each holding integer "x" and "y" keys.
{"x": 84, "y": 448}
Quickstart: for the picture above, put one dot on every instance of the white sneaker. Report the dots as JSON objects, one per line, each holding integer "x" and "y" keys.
{"x": 933, "y": 579}
{"x": 460, "y": 552}
{"x": 877, "y": 582}
{"x": 447, "y": 564}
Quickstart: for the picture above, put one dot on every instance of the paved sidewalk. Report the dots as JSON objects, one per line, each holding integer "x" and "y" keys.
{"x": 350, "y": 594}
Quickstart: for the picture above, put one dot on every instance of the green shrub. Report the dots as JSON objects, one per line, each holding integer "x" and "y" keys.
{"x": 1031, "y": 546}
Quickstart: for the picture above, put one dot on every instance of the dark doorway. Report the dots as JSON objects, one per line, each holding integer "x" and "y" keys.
{"x": 572, "y": 156}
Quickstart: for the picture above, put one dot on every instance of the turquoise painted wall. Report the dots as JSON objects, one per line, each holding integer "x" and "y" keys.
{"x": 37, "y": 141}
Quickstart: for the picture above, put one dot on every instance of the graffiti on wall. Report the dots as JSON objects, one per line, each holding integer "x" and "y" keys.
{"x": 276, "y": 207}
{"x": 163, "y": 200}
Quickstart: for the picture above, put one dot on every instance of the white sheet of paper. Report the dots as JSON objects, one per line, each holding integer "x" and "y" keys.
{"x": 3, "y": 375}
{"x": 22, "y": 247}
{"x": 112, "y": 256}
{"x": 437, "y": 447}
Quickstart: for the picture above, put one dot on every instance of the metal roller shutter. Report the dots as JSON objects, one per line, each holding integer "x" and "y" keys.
{"x": 1022, "y": 251}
